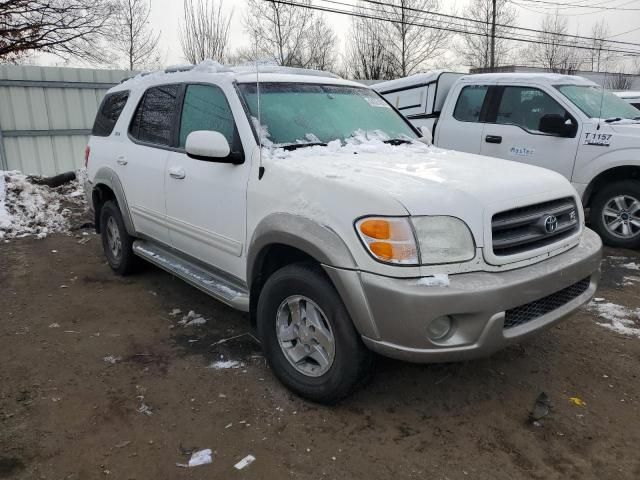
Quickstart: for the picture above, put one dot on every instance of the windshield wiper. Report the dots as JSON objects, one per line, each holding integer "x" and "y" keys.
{"x": 294, "y": 146}
{"x": 397, "y": 141}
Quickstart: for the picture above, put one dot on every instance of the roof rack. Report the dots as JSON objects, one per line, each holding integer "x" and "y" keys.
{"x": 179, "y": 68}
{"x": 248, "y": 68}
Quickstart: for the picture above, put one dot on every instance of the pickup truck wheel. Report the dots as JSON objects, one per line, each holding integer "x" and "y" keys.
{"x": 116, "y": 242}
{"x": 308, "y": 337}
{"x": 615, "y": 214}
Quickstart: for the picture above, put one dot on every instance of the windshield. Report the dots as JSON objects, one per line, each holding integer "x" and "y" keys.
{"x": 301, "y": 113}
{"x": 598, "y": 103}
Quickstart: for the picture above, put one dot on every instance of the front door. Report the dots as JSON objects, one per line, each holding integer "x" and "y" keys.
{"x": 512, "y": 130}
{"x": 206, "y": 200}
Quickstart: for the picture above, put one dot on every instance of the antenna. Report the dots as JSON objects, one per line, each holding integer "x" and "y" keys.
{"x": 601, "y": 101}
{"x": 261, "y": 167}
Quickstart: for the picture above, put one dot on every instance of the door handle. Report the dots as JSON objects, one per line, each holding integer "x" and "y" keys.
{"x": 177, "y": 173}
{"x": 120, "y": 160}
{"x": 493, "y": 139}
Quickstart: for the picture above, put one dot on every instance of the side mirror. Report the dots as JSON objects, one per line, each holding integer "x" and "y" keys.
{"x": 556, "y": 124}
{"x": 208, "y": 145}
{"x": 427, "y": 136}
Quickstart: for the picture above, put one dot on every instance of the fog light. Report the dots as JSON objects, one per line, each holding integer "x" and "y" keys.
{"x": 439, "y": 328}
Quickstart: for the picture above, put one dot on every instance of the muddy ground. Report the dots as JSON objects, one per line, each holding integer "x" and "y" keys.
{"x": 67, "y": 413}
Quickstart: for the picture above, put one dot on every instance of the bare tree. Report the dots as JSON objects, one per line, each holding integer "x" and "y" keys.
{"x": 411, "y": 42}
{"x": 67, "y": 28}
{"x": 554, "y": 50}
{"x": 474, "y": 49}
{"x": 599, "y": 57}
{"x": 618, "y": 81}
{"x": 132, "y": 38}
{"x": 204, "y": 32}
{"x": 368, "y": 56}
{"x": 289, "y": 35}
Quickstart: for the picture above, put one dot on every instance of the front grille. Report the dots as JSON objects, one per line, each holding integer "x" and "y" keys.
{"x": 526, "y": 228}
{"x": 525, "y": 313}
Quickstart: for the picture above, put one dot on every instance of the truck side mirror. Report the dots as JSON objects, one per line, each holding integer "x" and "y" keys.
{"x": 556, "y": 124}
{"x": 427, "y": 136}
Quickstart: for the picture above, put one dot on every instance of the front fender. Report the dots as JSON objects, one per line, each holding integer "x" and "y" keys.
{"x": 318, "y": 241}
{"x": 628, "y": 157}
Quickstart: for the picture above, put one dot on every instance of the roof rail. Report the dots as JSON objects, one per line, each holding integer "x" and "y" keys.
{"x": 248, "y": 68}
{"x": 179, "y": 68}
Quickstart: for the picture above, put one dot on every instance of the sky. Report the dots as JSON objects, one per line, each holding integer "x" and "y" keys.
{"x": 165, "y": 16}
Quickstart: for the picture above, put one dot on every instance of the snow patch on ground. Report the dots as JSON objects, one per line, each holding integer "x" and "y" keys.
{"x": 27, "y": 209}
{"x": 192, "y": 319}
{"x": 631, "y": 266}
{"x": 620, "y": 319}
{"x": 225, "y": 364}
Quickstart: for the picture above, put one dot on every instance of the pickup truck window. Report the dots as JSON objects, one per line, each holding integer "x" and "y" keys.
{"x": 309, "y": 113}
{"x": 525, "y": 106}
{"x": 108, "y": 113}
{"x": 205, "y": 107}
{"x": 596, "y": 102}
{"x": 154, "y": 117}
{"x": 470, "y": 103}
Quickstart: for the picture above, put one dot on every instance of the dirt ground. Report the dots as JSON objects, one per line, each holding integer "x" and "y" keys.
{"x": 67, "y": 413}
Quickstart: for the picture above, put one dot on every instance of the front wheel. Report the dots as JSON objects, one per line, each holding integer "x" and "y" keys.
{"x": 308, "y": 337}
{"x": 615, "y": 214}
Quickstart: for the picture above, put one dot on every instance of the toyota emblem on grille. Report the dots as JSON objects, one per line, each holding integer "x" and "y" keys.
{"x": 550, "y": 223}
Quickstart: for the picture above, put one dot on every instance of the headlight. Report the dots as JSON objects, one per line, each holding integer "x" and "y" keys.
{"x": 443, "y": 240}
{"x": 389, "y": 239}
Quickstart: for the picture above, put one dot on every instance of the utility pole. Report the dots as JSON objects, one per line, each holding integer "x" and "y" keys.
{"x": 493, "y": 37}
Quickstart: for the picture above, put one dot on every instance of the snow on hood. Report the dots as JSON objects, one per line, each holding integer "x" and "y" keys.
{"x": 27, "y": 209}
{"x": 423, "y": 178}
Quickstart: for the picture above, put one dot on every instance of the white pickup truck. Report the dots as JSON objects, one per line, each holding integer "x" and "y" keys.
{"x": 561, "y": 122}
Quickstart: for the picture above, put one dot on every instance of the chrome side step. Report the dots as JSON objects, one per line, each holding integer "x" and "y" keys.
{"x": 215, "y": 284}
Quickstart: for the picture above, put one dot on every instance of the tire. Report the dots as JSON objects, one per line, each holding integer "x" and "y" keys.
{"x": 322, "y": 312}
{"x": 116, "y": 242}
{"x": 620, "y": 198}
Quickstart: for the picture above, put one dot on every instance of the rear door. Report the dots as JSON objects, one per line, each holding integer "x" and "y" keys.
{"x": 512, "y": 129}
{"x": 142, "y": 162}
{"x": 461, "y": 124}
{"x": 206, "y": 200}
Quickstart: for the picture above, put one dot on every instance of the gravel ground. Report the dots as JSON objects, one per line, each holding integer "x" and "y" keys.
{"x": 99, "y": 380}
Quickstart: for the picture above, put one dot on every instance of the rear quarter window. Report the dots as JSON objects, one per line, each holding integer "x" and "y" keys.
{"x": 108, "y": 113}
{"x": 470, "y": 103}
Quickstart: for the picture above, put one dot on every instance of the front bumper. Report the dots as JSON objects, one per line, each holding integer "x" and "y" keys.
{"x": 392, "y": 314}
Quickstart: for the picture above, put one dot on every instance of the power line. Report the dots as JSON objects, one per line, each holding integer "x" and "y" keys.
{"x": 565, "y": 5}
{"x": 454, "y": 30}
{"x": 473, "y": 20}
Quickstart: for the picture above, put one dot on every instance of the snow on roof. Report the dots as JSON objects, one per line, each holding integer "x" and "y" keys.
{"x": 412, "y": 80}
{"x": 627, "y": 94}
{"x": 546, "y": 78}
{"x": 244, "y": 73}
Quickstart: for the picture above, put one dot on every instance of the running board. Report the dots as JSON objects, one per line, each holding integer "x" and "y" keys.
{"x": 211, "y": 283}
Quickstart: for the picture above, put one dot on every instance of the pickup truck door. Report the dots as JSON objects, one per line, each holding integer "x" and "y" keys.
{"x": 512, "y": 129}
{"x": 460, "y": 125}
{"x": 206, "y": 200}
{"x": 142, "y": 161}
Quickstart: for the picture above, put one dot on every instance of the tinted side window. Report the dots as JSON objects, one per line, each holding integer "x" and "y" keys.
{"x": 205, "y": 107}
{"x": 470, "y": 103}
{"x": 108, "y": 113}
{"x": 525, "y": 106}
{"x": 154, "y": 117}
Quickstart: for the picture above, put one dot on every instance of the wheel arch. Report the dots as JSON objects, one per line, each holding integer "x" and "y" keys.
{"x": 107, "y": 186}
{"x": 623, "y": 172}
{"x": 282, "y": 239}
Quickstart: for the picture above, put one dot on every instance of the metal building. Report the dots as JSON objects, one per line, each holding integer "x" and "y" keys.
{"x": 46, "y": 115}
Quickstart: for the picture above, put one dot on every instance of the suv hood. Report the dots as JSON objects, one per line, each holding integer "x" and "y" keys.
{"x": 427, "y": 180}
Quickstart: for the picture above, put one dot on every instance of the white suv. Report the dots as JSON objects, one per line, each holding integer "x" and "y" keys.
{"x": 311, "y": 203}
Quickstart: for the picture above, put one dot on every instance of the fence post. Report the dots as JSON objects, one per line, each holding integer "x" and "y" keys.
{"x": 4, "y": 164}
